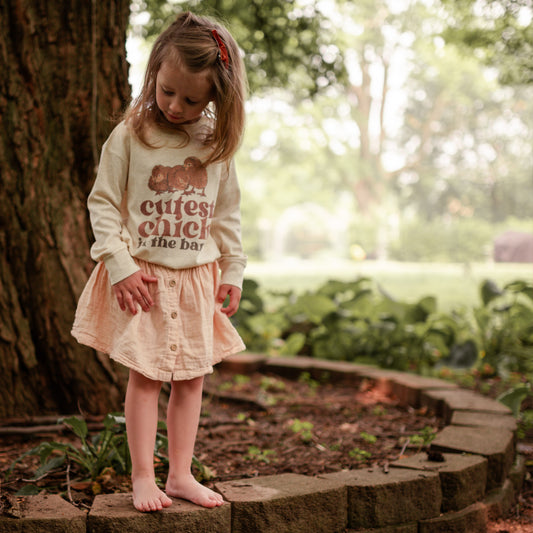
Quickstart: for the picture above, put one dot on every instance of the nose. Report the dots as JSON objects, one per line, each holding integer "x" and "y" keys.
{"x": 175, "y": 107}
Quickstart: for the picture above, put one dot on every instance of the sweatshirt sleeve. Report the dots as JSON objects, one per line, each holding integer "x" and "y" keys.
{"x": 226, "y": 229}
{"x": 104, "y": 203}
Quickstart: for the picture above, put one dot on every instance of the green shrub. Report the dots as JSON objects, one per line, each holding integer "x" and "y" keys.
{"x": 357, "y": 321}
{"x": 458, "y": 240}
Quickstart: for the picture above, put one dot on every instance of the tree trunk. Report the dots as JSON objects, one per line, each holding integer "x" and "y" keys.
{"x": 64, "y": 80}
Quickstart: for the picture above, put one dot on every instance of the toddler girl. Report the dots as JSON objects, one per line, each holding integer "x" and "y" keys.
{"x": 165, "y": 214}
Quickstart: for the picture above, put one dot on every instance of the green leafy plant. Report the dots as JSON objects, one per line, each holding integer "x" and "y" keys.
{"x": 367, "y": 437}
{"x": 379, "y": 410}
{"x": 359, "y": 454}
{"x": 424, "y": 437}
{"x": 238, "y": 381}
{"x": 525, "y": 423}
{"x": 358, "y": 321}
{"x": 107, "y": 449}
{"x": 505, "y": 327}
{"x": 514, "y": 397}
{"x": 271, "y": 384}
{"x": 303, "y": 429}
{"x": 265, "y": 456}
{"x": 305, "y": 377}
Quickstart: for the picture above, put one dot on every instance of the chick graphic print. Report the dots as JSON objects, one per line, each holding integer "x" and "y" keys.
{"x": 180, "y": 222}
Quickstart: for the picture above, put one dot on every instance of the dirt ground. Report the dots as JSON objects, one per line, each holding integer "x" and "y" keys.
{"x": 261, "y": 425}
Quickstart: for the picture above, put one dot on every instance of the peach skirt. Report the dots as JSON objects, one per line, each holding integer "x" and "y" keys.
{"x": 182, "y": 336}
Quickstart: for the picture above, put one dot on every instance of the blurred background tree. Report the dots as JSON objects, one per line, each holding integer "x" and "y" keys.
{"x": 499, "y": 32}
{"x": 283, "y": 41}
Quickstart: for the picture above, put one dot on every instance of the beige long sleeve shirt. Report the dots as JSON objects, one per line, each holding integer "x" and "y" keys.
{"x": 161, "y": 205}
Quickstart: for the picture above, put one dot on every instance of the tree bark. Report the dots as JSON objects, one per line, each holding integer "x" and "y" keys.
{"x": 64, "y": 80}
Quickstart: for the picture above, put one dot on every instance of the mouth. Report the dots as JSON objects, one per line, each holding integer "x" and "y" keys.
{"x": 173, "y": 118}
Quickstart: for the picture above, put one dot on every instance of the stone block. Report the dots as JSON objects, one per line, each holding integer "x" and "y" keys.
{"x": 114, "y": 513}
{"x": 518, "y": 473}
{"x": 242, "y": 363}
{"x": 500, "y": 501}
{"x": 497, "y": 445}
{"x": 289, "y": 367}
{"x": 446, "y": 402}
{"x": 403, "y": 528}
{"x": 473, "y": 519}
{"x": 286, "y": 503}
{"x": 408, "y": 388}
{"x": 336, "y": 371}
{"x": 476, "y": 419}
{"x": 463, "y": 478}
{"x": 376, "y": 499}
{"x": 319, "y": 369}
{"x": 45, "y": 514}
{"x": 383, "y": 380}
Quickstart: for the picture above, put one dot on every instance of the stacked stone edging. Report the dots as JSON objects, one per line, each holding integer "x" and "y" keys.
{"x": 476, "y": 480}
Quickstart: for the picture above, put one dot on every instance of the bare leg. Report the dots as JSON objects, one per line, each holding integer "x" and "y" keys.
{"x": 182, "y": 423}
{"x": 141, "y": 425}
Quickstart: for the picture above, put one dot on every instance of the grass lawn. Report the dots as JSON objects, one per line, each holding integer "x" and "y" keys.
{"x": 453, "y": 284}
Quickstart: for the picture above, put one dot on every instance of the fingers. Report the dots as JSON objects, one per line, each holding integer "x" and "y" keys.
{"x": 133, "y": 291}
{"x": 120, "y": 299}
{"x": 234, "y": 298}
{"x": 147, "y": 278}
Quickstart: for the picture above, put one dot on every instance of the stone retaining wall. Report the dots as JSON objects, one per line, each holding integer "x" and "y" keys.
{"x": 478, "y": 476}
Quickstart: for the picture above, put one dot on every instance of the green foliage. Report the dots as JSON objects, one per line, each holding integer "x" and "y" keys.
{"x": 269, "y": 384}
{"x": 514, "y": 397}
{"x": 505, "y": 327}
{"x": 108, "y": 449}
{"x": 459, "y": 240}
{"x": 284, "y": 45}
{"x": 305, "y": 377}
{"x": 424, "y": 437}
{"x": 499, "y": 34}
{"x": 353, "y": 321}
{"x": 367, "y": 437}
{"x": 264, "y": 456}
{"x": 525, "y": 423}
{"x": 356, "y": 321}
{"x": 303, "y": 429}
{"x": 359, "y": 454}
{"x": 93, "y": 456}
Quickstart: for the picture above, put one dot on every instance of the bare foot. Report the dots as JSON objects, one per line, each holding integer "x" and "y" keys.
{"x": 189, "y": 489}
{"x": 147, "y": 496}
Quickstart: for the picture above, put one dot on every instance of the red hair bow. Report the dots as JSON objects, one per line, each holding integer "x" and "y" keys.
{"x": 223, "y": 51}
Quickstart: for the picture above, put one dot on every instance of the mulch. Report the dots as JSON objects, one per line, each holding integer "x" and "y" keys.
{"x": 263, "y": 424}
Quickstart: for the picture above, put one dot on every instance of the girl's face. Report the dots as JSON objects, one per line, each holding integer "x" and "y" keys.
{"x": 181, "y": 95}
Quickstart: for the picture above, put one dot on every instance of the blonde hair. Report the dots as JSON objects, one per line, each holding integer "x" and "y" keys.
{"x": 190, "y": 42}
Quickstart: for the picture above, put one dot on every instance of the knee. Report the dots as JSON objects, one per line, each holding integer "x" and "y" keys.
{"x": 143, "y": 384}
{"x": 189, "y": 386}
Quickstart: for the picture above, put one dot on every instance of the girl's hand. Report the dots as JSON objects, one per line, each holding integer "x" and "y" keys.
{"x": 234, "y": 298}
{"x": 134, "y": 289}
